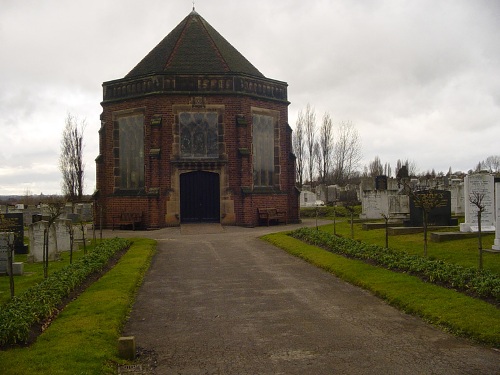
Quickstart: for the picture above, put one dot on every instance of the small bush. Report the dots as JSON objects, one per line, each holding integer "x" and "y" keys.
{"x": 481, "y": 283}
{"x": 39, "y": 302}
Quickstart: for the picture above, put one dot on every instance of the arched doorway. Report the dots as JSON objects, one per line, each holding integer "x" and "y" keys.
{"x": 200, "y": 197}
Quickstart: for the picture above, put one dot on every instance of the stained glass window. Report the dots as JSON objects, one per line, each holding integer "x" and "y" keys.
{"x": 198, "y": 134}
{"x": 263, "y": 150}
{"x": 131, "y": 134}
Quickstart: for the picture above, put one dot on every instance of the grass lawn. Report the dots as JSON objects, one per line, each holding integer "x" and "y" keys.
{"x": 446, "y": 308}
{"x": 83, "y": 338}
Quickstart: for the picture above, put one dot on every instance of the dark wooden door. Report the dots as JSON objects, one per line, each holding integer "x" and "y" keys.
{"x": 200, "y": 197}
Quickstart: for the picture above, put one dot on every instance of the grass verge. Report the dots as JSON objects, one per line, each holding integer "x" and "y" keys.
{"x": 450, "y": 310}
{"x": 83, "y": 338}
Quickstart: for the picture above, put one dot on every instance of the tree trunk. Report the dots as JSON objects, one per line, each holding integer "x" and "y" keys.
{"x": 352, "y": 224}
{"x": 10, "y": 252}
{"x": 425, "y": 233}
{"x": 480, "y": 240}
{"x": 45, "y": 253}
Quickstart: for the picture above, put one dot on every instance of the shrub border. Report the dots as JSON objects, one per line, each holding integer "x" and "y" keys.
{"x": 478, "y": 283}
{"x": 40, "y": 302}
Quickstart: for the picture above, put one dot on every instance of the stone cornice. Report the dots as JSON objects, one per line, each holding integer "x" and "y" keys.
{"x": 218, "y": 84}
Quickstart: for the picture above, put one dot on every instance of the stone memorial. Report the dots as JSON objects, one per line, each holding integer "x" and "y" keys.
{"x": 17, "y": 227}
{"x": 36, "y": 236}
{"x": 75, "y": 218}
{"x": 62, "y": 234}
{"x": 381, "y": 196}
{"x": 440, "y": 215}
{"x": 479, "y": 183}
{"x": 5, "y": 239}
{"x": 381, "y": 183}
{"x": 80, "y": 232}
{"x": 496, "y": 242}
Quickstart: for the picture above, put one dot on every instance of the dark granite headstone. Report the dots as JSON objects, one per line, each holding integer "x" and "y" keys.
{"x": 438, "y": 216}
{"x": 17, "y": 226}
{"x": 381, "y": 183}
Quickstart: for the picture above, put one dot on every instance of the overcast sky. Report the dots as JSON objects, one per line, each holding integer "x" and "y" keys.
{"x": 420, "y": 80}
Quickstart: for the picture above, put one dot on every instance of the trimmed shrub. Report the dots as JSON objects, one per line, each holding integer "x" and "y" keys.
{"x": 40, "y": 302}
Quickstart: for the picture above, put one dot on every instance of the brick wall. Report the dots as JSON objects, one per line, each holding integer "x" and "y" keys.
{"x": 159, "y": 169}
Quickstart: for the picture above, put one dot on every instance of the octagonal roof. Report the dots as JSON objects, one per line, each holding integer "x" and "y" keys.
{"x": 194, "y": 47}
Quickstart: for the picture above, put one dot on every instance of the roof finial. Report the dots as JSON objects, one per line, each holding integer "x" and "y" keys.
{"x": 193, "y": 12}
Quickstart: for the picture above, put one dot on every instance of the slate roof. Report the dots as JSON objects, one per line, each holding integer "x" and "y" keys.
{"x": 194, "y": 47}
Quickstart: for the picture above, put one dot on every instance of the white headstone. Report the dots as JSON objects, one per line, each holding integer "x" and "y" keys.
{"x": 62, "y": 232}
{"x": 6, "y": 238}
{"x": 480, "y": 183}
{"x": 496, "y": 243}
{"x": 79, "y": 232}
{"x": 36, "y": 236}
{"x": 374, "y": 203}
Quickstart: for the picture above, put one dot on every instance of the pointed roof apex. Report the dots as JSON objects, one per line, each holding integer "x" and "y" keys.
{"x": 194, "y": 47}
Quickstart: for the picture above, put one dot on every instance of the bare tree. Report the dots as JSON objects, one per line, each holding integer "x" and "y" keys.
{"x": 299, "y": 147}
{"x": 347, "y": 153}
{"x": 326, "y": 148}
{"x": 375, "y": 167}
{"x": 387, "y": 169}
{"x": 310, "y": 133}
{"x": 476, "y": 198}
{"x": 410, "y": 165}
{"x": 71, "y": 159}
{"x": 318, "y": 158}
{"x": 491, "y": 164}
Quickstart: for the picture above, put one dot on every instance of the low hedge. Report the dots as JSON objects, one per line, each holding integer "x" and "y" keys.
{"x": 481, "y": 283}
{"x": 327, "y": 211}
{"x": 40, "y": 302}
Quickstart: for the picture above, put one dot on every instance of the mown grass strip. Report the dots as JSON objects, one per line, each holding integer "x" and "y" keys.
{"x": 83, "y": 338}
{"x": 453, "y": 311}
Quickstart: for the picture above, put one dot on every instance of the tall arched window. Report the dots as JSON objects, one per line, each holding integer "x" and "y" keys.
{"x": 263, "y": 150}
{"x": 198, "y": 134}
{"x": 131, "y": 155}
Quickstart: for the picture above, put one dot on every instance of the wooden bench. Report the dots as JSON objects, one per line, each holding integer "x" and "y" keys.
{"x": 128, "y": 218}
{"x": 269, "y": 215}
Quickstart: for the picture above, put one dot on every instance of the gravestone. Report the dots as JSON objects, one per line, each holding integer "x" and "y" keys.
{"x": 399, "y": 206}
{"x": 86, "y": 211}
{"x": 479, "y": 183}
{"x": 80, "y": 232}
{"x": 5, "y": 239}
{"x": 45, "y": 211}
{"x": 62, "y": 234}
{"x": 17, "y": 227}
{"x": 373, "y": 204}
{"x": 36, "y": 236}
{"x": 496, "y": 242}
{"x": 438, "y": 216}
{"x": 381, "y": 183}
{"x": 35, "y": 218}
{"x": 75, "y": 218}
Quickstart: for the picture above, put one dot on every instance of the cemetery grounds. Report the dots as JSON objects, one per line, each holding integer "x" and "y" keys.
{"x": 101, "y": 354}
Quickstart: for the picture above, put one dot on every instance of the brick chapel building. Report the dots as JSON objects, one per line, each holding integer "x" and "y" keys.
{"x": 194, "y": 133}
